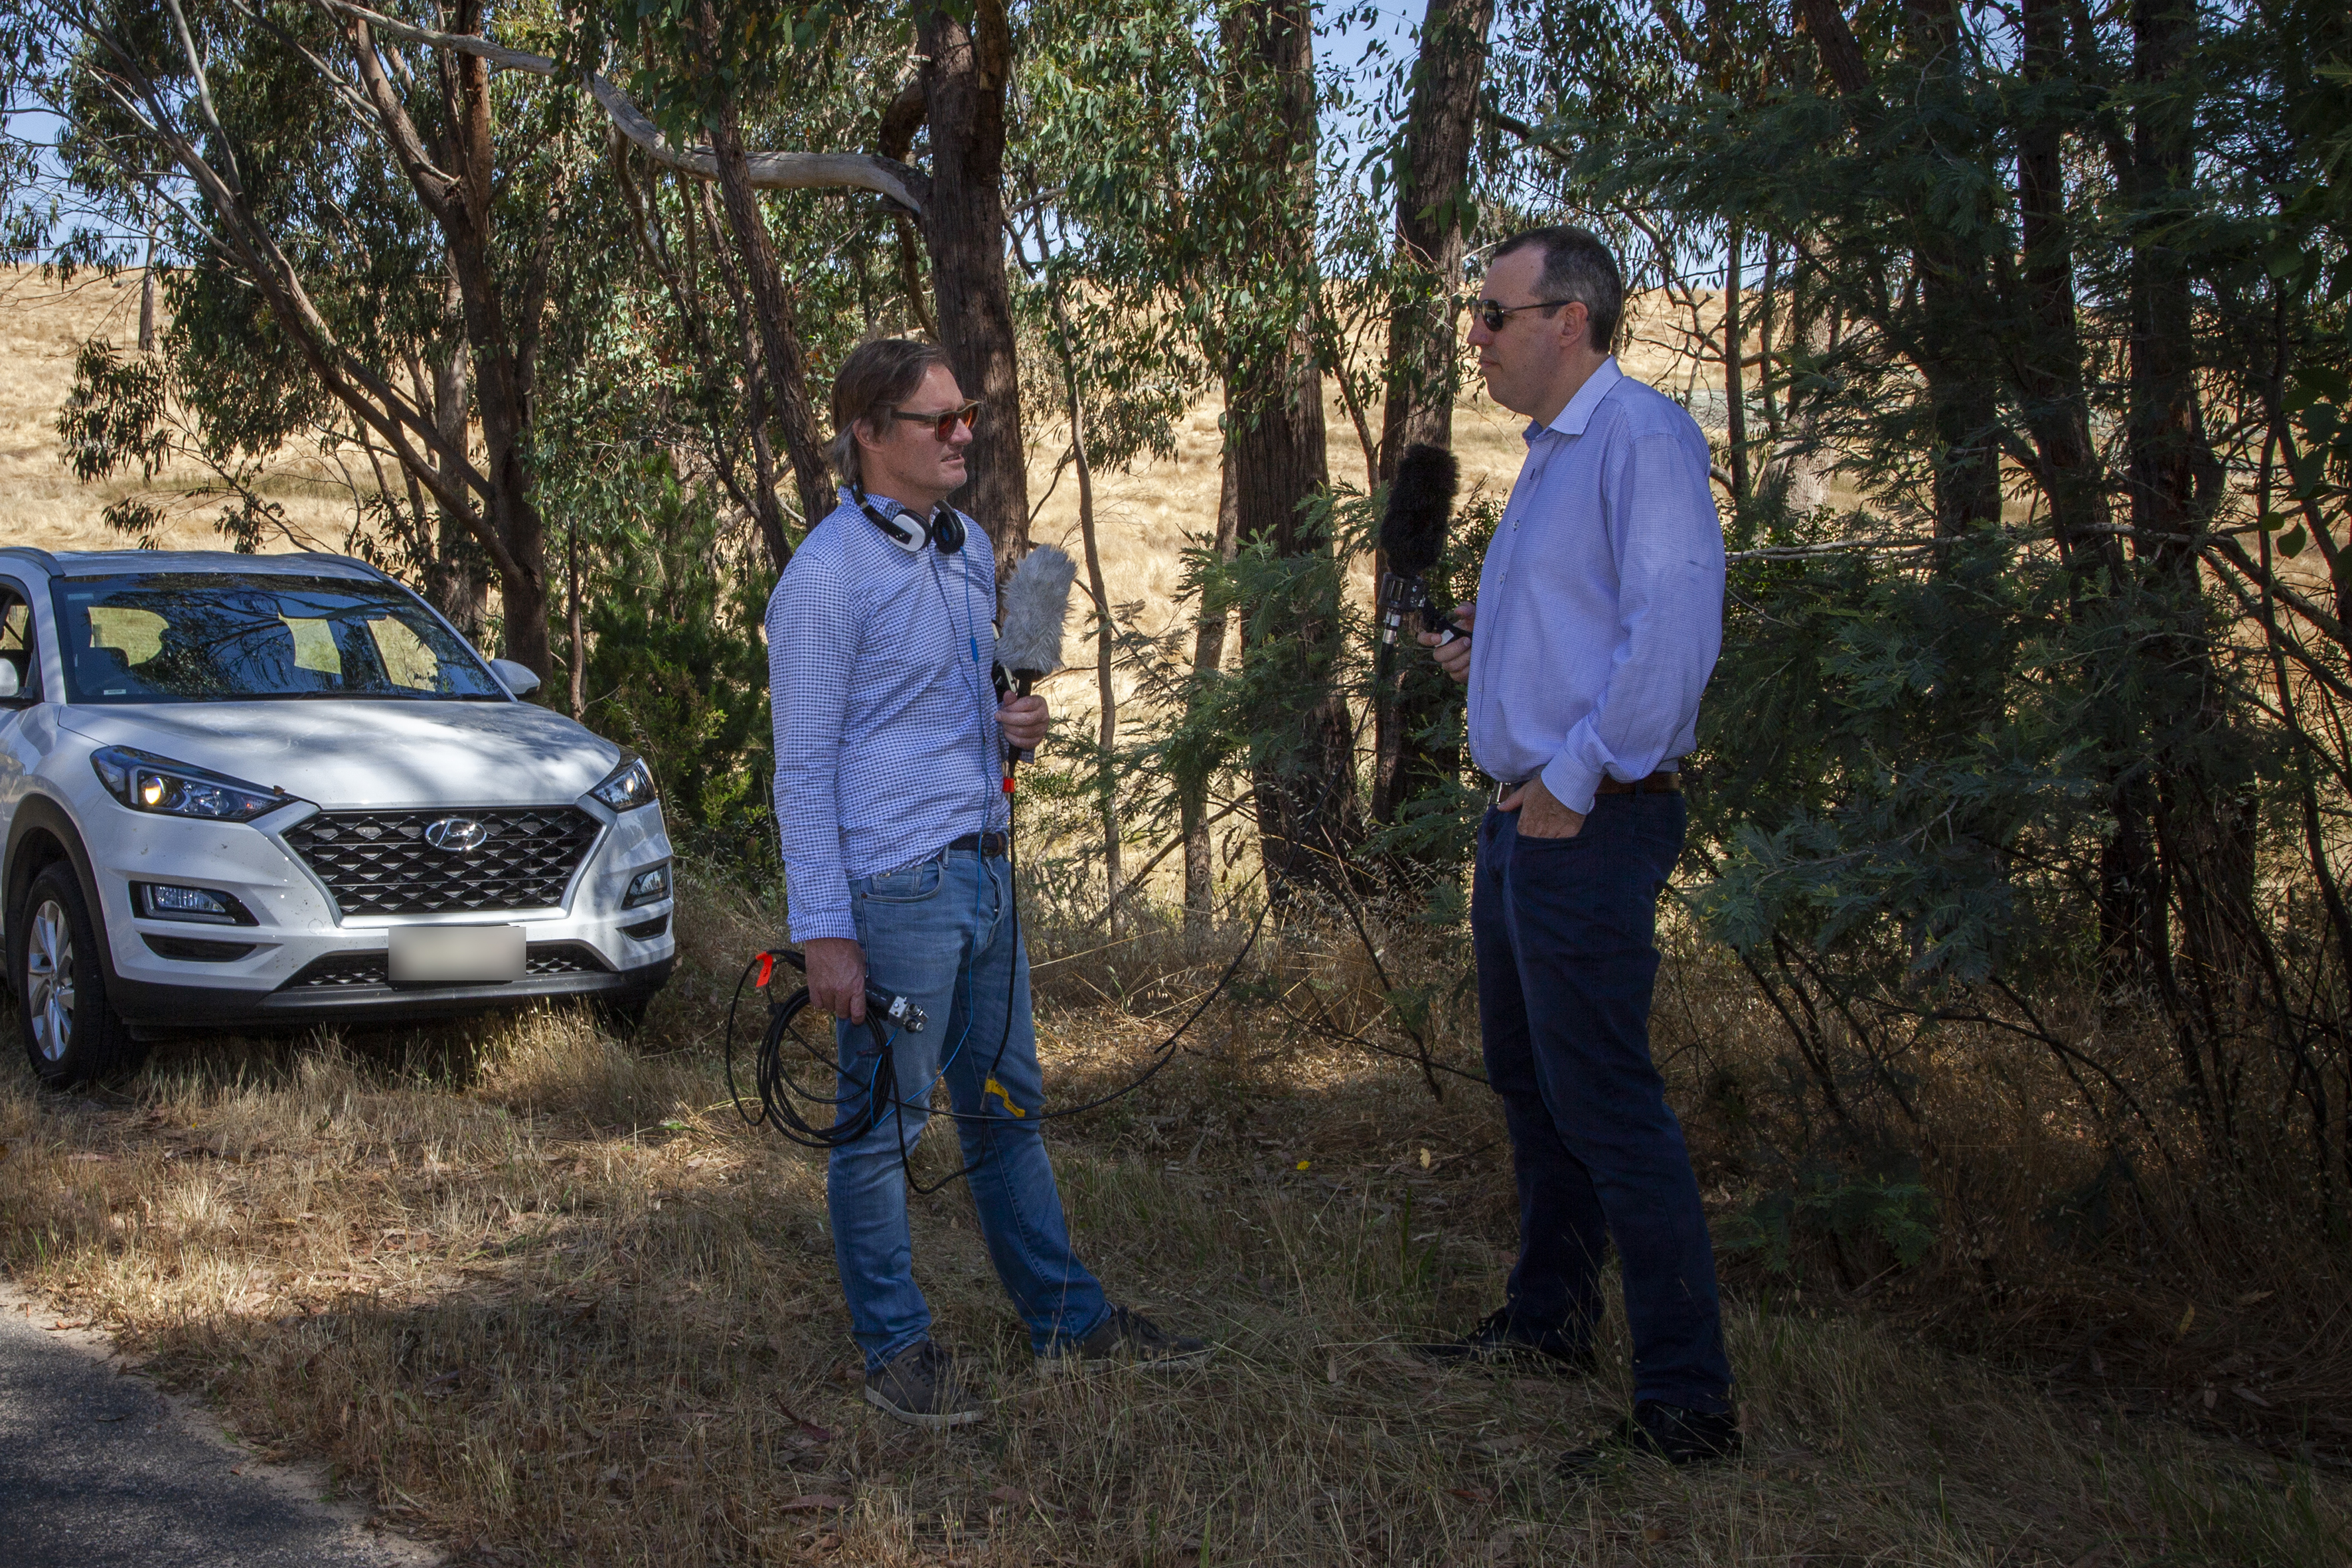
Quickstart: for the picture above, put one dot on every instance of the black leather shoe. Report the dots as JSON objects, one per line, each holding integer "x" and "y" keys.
{"x": 1492, "y": 1344}
{"x": 1668, "y": 1432}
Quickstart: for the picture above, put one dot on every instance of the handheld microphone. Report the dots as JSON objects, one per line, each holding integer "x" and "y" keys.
{"x": 1412, "y": 536}
{"x": 1029, "y": 646}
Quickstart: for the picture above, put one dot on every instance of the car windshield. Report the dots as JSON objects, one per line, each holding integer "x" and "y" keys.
{"x": 246, "y": 637}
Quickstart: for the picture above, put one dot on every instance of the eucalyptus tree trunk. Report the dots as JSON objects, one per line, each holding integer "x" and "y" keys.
{"x": 2204, "y": 816}
{"x": 2133, "y": 938}
{"x": 1432, "y": 210}
{"x": 963, "y": 228}
{"x": 1735, "y": 384}
{"x": 1208, "y": 654}
{"x": 1105, "y": 685}
{"x": 1424, "y": 349}
{"x": 455, "y": 579}
{"x": 500, "y": 321}
{"x": 1310, "y": 817}
{"x": 1952, "y": 292}
{"x": 783, "y": 368}
{"x": 147, "y": 297}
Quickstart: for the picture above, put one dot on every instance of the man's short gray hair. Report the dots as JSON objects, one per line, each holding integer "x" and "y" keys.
{"x": 1577, "y": 267}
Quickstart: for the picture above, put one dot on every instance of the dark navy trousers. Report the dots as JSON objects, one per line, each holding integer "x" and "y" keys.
{"x": 1566, "y": 936}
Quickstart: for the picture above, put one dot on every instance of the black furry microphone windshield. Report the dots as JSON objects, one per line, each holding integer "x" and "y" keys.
{"x": 1421, "y": 498}
{"x": 1412, "y": 537}
{"x": 1036, "y": 601}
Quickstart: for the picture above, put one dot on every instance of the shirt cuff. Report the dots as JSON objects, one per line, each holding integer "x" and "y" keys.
{"x": 824, "y": 928}
{"x": 1571, "y": 783}
{"x": 820, "y": 919}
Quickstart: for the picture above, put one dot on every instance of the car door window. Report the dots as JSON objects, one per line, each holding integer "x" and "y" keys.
{"x": 17, "y": 641}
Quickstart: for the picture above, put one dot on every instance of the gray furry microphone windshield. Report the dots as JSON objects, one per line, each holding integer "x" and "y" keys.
{"x": 1035, "y": 601}
{"x": 1029, "y": 645}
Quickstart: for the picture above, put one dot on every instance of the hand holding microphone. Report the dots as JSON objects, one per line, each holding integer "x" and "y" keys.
{"x": 1023, "y": 722}
{"x": 1452, "y": 649}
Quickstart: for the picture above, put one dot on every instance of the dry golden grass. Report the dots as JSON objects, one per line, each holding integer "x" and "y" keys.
{"x": 541, "y": 1297}
{"x": 43, "y": 325}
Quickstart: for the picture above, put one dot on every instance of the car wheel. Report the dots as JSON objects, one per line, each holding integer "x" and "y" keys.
{"x": 70, "y": 1033}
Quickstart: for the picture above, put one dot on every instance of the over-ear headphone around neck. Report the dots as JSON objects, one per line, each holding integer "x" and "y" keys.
{"x": 910, "y": 531}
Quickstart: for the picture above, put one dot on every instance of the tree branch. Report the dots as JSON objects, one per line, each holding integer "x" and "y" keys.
{"x": 767, "y": 171}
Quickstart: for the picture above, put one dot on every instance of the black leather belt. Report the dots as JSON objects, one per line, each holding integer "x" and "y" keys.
{"x": 986, "y": 843}
{"x": 1664, "y": 782}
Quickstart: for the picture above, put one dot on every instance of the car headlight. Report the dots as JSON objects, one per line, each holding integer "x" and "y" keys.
{"x": 146, "y": 783}
{"x": 628, "y": 786}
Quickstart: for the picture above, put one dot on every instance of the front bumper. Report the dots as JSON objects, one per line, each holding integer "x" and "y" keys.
{"x": 152, "y": 1008}
{"x": 304, "y": 961}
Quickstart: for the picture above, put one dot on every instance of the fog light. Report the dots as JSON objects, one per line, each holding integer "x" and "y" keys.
{"x": 647, "y": 887}
{"x": 165, "y": 901}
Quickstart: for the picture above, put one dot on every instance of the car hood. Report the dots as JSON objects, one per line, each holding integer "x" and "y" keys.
{"x": 377, "y": 754}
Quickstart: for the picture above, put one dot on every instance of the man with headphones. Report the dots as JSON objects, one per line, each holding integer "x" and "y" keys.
{"x": 890, "y": 747}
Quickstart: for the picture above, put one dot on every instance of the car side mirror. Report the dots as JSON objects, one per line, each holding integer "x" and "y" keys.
{"x": 518, "y": 677}
{"x": 9, "y": 683}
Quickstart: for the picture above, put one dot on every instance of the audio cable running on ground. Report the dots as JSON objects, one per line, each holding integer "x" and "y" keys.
{"x": 777, "y": 1090}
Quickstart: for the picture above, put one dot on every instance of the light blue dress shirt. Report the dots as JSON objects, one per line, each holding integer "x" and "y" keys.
{"x": 880, "y": 665}
{"x": 1600, "y": 602}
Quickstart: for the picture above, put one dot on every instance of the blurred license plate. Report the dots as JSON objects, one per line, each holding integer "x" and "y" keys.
{"x": 455, "y": 955}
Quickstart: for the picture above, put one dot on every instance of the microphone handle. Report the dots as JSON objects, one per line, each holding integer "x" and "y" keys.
{"x": 1024, "y": 680}
{"x": 1013, "y": 683}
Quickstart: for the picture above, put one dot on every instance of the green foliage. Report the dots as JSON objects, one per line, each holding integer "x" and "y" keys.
{"x": 1829, "y": 1203}
{"x": 679, "y": 669}
{"x": 1885, "y": 749}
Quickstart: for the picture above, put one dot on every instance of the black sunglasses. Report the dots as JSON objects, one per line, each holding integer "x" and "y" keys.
{"x": 942, "y": 425}
{"x": 1494, "y": 315}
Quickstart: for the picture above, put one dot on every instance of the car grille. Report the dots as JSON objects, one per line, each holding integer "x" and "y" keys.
{"x": 378, "y": 863}
{"x": 352, "y": 971}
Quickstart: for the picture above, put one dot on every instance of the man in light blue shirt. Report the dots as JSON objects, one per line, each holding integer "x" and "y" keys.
{"x": 890, "y": 747}
{"x": 1599, "y": 615}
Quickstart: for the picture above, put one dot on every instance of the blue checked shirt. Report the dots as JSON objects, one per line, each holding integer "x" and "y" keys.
{"x": 878, "y": 674}
{"x": 1600, "y": 602}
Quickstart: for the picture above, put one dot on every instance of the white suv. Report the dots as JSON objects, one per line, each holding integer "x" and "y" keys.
{"x": 246, "y": 791}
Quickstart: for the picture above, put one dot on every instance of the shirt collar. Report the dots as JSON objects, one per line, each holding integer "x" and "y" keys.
{"x": 1572, "y": 419}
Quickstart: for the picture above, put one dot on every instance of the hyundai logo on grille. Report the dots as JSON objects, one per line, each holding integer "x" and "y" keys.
{"x": 457, "y": 834}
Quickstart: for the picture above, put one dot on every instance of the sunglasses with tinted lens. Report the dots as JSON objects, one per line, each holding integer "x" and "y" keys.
{"x": 942, "y": 425}
{"x": 1493, "y": 314}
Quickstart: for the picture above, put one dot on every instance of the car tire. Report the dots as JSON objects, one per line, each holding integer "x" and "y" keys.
{"x": 71, "y": 1033}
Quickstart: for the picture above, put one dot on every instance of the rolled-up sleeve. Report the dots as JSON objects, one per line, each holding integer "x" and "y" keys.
{"x": 812, "y": 647}
{"x": 1668, "y": 544}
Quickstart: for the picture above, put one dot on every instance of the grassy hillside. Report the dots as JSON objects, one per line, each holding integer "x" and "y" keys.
{"x": 1143, "y": 514}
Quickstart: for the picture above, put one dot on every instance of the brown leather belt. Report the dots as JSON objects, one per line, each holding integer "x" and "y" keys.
{"x": 1659, "y": 782}
{"x": 1662, "y": 781}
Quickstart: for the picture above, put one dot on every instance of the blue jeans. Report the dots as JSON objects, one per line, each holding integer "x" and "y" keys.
{"x": 941, "y": 932}
{"x": 1565, "y": 933}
